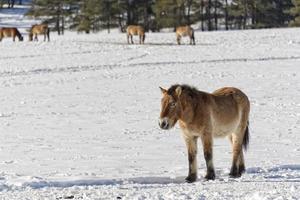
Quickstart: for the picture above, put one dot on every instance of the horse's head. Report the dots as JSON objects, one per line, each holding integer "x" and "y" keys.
{"x": 170, "y": 107}
{"x": 21, "y": 38}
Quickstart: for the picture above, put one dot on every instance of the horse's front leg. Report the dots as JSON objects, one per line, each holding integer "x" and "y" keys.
{"x": 207, "y": 142}
{"x": 191, "y": 144}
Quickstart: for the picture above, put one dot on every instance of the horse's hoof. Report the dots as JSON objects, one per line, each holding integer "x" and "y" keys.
{"x": 191, "y": 178}
{"x": 236, "y": 175}
{"x": 211, "y": 176}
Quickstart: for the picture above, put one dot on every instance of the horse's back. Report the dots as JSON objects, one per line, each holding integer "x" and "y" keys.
{"x": 8, "y": 32}
{"x": 39, "y": 28}
{"x": 231, "y": 93}
{"x": 184, "y": 30}
{"x": 135, "y": 30}
{"x": 230, "y": 107}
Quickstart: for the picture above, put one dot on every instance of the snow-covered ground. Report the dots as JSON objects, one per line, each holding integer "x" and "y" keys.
{"x": 79, "y": 115}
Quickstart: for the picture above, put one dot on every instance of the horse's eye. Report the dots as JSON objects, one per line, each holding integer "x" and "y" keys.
{"x": 172, "y": 105}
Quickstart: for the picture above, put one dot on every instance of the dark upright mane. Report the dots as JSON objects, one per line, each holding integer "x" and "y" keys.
{"x": 191, "y": 91}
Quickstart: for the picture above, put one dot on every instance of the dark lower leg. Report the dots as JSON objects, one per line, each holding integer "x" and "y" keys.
{"x": 241, "y": 165}
{"x": 192, "y": 153}
{"x": 210, "y": 175}
{"x": 234, "y": 171}
{"x": 208, "y": 155}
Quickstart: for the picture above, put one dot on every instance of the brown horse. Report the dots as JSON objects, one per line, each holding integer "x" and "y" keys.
{"x": 39, "y": 29}
{"x": 135, "y": 30}
{"x": 224, "y": 112}
{"x": 183, "y": 31}
{"x": 10, "y": 32}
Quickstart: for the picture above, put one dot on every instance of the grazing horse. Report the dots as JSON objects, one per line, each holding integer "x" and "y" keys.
{"x": 225, "y": 112}
{"x": 183, "y": 31}
{"x": 39, "y": 29}
{"x": 10, "y": 32}
{"x": 135, "y": 30}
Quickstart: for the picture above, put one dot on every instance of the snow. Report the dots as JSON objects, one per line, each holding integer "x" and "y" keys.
{"x": 79, "y": 115}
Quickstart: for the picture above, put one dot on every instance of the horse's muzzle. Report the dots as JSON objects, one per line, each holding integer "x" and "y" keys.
{"x": 164, "y": 124}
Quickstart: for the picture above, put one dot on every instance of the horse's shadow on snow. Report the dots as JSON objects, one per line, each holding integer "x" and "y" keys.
{"x": 281, "y": 173}
{"x": 101, "y": 182}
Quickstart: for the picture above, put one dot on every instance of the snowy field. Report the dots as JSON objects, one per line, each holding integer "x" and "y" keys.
{"x": 79, "y": 115}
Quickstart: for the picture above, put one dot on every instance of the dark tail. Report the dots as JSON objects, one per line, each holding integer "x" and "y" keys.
{"x": 246, "y": 138}
{"x": 48, "y": 34}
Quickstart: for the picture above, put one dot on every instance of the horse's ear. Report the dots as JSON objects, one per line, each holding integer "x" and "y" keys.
{"x": 163, "y": 90}
{"x": 178, "y": 91}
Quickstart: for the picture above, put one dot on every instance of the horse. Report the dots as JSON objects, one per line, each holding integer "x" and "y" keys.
{"x": 225, "y": 112}
{"x": 10, "y": 32}
{"x": 183, "y": 31}
{"x": 135, "y": 30}
{"x": 39, "y": 29}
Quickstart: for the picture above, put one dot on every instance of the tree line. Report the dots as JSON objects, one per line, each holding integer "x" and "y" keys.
{"x": 10, "y": 3}
{"x": 94, "y": 15}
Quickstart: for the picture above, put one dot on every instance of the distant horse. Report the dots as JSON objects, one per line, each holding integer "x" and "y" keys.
{"x": 183, "y": 31}
{"x": 135, "y": 30}
{"x": 224, "y": 112}
{"x": 39, "y": 29}
{"x": 10, "y": 32}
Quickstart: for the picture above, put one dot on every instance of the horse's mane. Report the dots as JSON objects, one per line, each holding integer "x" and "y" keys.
{"x": 191, "y": 91}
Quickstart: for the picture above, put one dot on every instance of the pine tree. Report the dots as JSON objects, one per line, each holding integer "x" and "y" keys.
{"x": 295, "y": 11}
{"x": 239, "y": 12}
{"x": 54, "y": 11}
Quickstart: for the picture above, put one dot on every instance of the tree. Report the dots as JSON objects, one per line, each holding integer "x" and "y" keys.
{"x": 52, "y": 11}
{"x": 295, "y": 12}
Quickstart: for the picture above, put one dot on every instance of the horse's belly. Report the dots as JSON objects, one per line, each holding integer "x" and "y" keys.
{"x": 184, "y": 34}
{"x": 7, "y": 34}
{"x": 223, "y": 129}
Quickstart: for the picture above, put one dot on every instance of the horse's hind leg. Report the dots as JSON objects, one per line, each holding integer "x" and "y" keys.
{"x": 193, "y": 39}
{"x": 208, "y": 155}
{"x": 191, "y": 144}
{"x": 131, "y": 37}
{"x": 241, "y": 162}
{"x": 237, "y": 166}
{"x": 178, "y": 39}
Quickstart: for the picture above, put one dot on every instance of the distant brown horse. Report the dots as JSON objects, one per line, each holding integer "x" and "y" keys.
{"x": 39, "y": 29}
{"x": 10, "y": 32}
{"x": 224, "y": 112}
{"x": 135, "y": 30}
{"x": 183, "y": 31}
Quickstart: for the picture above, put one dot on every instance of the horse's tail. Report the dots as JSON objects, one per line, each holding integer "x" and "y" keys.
{"x": 246, "y": 137}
